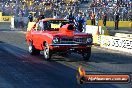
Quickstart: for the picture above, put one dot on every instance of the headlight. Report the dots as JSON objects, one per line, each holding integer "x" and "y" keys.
{"x": 89, "y": 40}
{"x": 55, "y": 40}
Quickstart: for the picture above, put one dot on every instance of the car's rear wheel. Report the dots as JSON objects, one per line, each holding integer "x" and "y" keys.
{"x": 86, "y": 54}
{"x": 32, "y": 50}
{"x": 47, "y": 52}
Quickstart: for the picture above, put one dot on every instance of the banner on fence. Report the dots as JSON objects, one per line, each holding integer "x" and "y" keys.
{"x": 5, "y": 18}
{"x": 116, "y": 43}
{"x": 112, "y": 23}
{"x": 93, "y": 29}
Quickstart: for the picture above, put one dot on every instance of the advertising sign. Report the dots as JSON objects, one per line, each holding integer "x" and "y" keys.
{"x": 116, "y": 43}
{"x": 5, "y": 18}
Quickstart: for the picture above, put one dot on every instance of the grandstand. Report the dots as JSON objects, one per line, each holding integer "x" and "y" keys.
{"x": 62, "y": 7}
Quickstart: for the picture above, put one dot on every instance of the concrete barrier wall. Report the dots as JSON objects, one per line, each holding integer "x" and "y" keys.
{"x": 116, "y": 43}
{"x": 5, "y": 18}
{"x": 93, "y": 29}
{"x": 5, "y": 25}
{"x": 123, "y": 35}
{"x": 96, "y": 31}
{"x": 120, "y": 42}
{"x": 5, "y": 22}
{"x": 112, "y": 23}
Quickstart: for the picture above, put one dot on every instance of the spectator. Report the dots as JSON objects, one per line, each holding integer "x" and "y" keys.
{"x": 92, "y": 18}
{"x": 63, "y": 7}
{"x": 30, "y": 17}
{"x": 88, "y": 15}
{"x": 21, "y": 23}
{"x": 79, "y": 22}
{"x": 41, "y": 16}
{"x": 85, "y": 22}
{"x": 70, "y": 17}
{"x": 104, "y": 17}
{"x": 116, "y": 19}
{"x": 124, "y": 13}
{"x": 97, "y": 19}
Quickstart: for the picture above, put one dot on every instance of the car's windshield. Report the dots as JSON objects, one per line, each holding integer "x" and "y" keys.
{"x": 54, "y": 25}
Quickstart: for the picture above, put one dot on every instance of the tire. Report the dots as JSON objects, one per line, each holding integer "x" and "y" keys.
{"x": 65, "y": 53}
{"x": 86, "y": 54}
{"x": 47, "y": 52}
{"x": 32, "y": 49}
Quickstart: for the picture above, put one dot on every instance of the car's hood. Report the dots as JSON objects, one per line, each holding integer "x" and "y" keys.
{"x": 53, "y": 33}
{"x": 68, "y": 34}
{"x": 82, "y": 34}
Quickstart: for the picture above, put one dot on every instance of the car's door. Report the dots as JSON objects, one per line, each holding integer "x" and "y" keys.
{"x": 37, "y": 35}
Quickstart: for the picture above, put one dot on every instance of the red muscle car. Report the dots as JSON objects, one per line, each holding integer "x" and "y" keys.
{"x": 57, "y": 36}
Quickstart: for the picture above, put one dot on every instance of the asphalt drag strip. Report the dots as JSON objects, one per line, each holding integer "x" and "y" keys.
{"x": 60, "y": 72}
{"x": 20, "y": 70}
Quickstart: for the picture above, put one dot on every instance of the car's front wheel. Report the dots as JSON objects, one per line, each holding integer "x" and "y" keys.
{"x": 32, "y": 50}
{"x": 47, "y": 52}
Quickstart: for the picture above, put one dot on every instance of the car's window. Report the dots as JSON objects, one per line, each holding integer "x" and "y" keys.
{"x": 46, "y": 25}
{"x": 40, "y": 26}
{"x": 54, "y": 25}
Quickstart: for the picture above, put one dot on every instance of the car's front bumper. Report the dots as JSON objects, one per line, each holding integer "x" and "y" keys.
{"x": 71, "y": 45}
